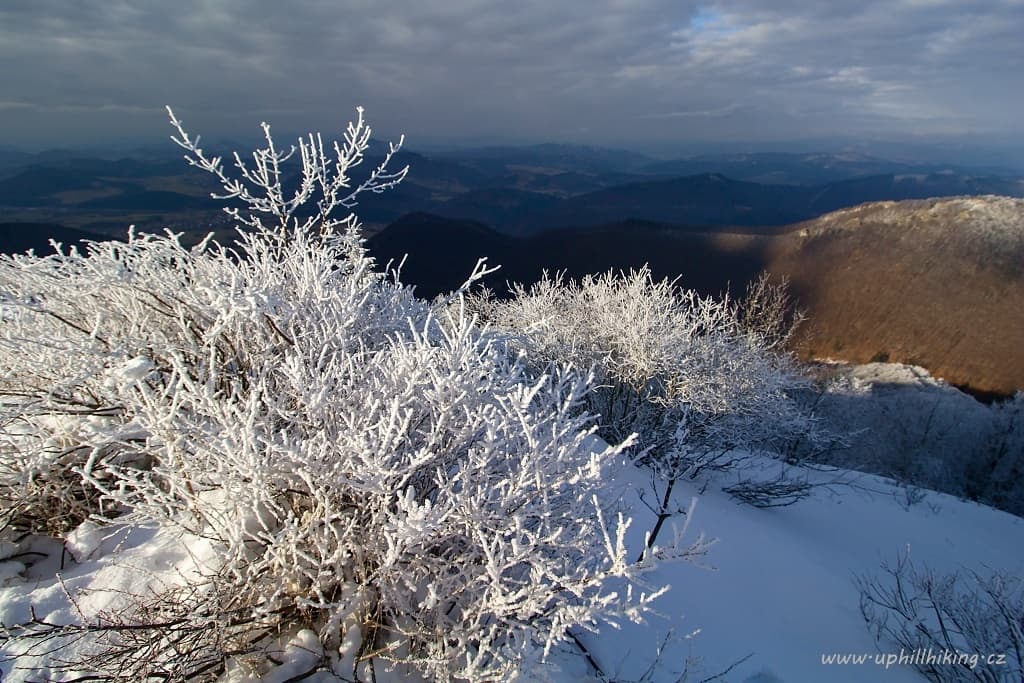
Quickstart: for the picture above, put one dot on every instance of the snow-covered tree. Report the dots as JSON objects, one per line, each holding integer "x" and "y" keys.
{"x": 385, "y": 473}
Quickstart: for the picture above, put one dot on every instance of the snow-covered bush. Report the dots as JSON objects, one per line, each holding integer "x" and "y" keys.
{"x": 387, "y": 474}
{"x": 996, "y": 475}
{"x": 699, "y": 379}
{"x": 923, "y": 433}
{"x": 769, "y": 313}
{"x": 77, "y": 329}
{"x": 957, "y": 627}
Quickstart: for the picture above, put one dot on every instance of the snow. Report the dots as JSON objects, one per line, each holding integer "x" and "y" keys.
{"x": 84, "y": 540}
{"x": 126, "y": 562}
{"x": 777, "y": 585}
{"x": 134, "y": 370}
{"x": 299, "y": 655}
{"x": 895, "y": 373}
{"x": 9, "y": 570}
{"x": 781, "y": 589}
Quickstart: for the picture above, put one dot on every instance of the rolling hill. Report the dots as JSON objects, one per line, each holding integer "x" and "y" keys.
{"x": 441, "y": 252}
{"x": 16, "y": 238}
{"x": 937, "y": 283}
{"x": 580, "y": 158}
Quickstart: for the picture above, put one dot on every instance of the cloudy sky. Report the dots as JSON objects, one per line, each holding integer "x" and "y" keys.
{"x": 595, "y": 71}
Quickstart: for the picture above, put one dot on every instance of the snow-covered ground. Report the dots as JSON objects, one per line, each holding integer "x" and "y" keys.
{"x": 777, "y": 591}
{"x": 782, "y": 585}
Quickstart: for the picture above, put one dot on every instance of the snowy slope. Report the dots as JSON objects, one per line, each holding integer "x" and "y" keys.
{"x": 782, "y": 587}
{"x": 782, "y": 590}
{"x": 778, "y": 585}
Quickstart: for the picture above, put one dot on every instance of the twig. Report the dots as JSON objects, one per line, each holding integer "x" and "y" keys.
{"x": 589, "y": 657}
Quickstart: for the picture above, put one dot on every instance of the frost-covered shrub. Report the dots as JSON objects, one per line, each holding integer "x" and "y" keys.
{"x": 996, "y": 475}
{"x": 769, "y": 313}
{"x": 958, "y": 627}
{"x": 698, "y": 378}
{"x": 387, "y": 474}
{"x": 421, "y": 494}
{"x": 925, "y": 434}
{"x": 86, "y": 330}
{"x": 77, "y": 328}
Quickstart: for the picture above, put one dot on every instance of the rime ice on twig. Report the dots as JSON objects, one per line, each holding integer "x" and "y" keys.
{"x": 259, "y": 184}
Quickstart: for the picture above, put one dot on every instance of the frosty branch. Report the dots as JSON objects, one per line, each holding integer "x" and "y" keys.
{"x": 259, "y": 183}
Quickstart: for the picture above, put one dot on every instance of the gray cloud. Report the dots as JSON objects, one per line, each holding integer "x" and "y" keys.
{"x": 591, "y": 70}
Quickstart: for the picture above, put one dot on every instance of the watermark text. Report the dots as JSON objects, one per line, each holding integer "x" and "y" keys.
{"x": 918, "y": 658}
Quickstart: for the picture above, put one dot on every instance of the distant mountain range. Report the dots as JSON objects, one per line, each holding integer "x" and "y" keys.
{"x": 579, "y": 158}
{"x": 709, "y": 200}
{"x": 880, "y": 287}
{"x": 520, "y": 189}
{"x": 807, "y": 169}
